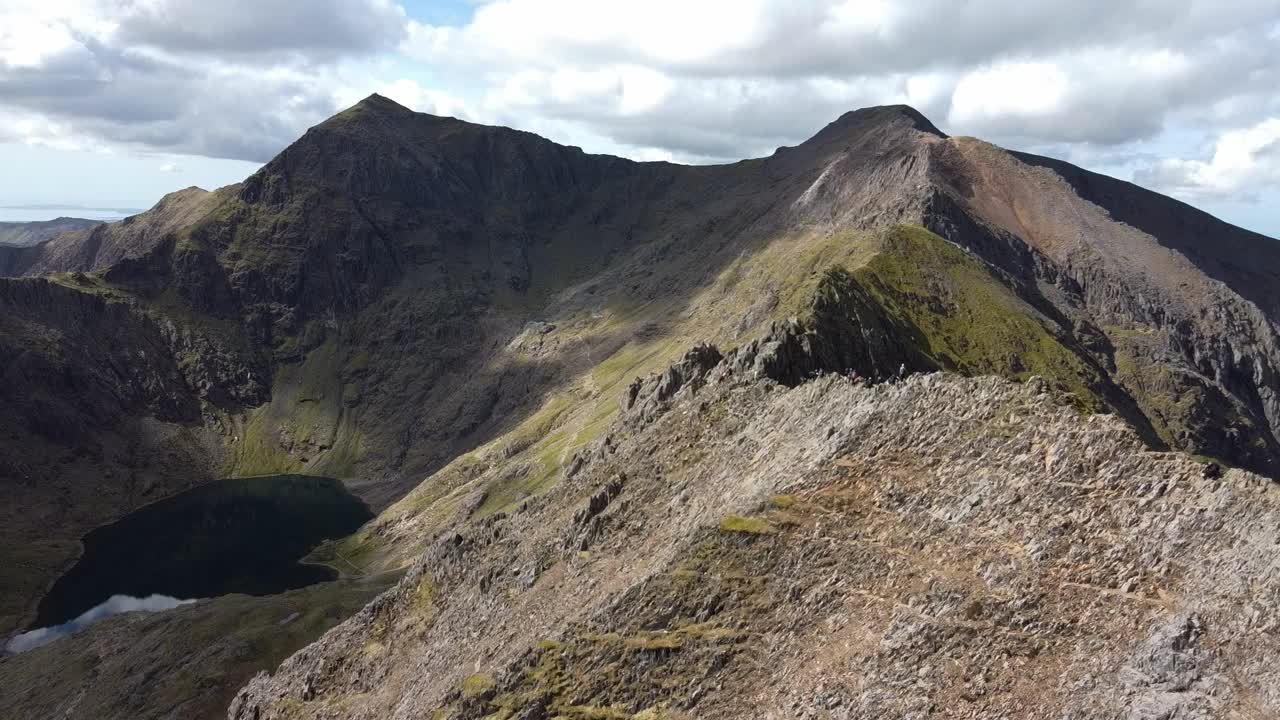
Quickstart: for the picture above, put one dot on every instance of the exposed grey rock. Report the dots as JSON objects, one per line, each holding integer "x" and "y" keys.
{"x": 945, "y": 545}
{"x": 645, "y": 398}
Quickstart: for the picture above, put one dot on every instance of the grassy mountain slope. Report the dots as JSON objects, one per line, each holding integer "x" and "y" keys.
{"x": 868, "y": 303}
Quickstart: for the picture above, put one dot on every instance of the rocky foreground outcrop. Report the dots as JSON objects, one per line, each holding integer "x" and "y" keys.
{"x": 935, "y": 547}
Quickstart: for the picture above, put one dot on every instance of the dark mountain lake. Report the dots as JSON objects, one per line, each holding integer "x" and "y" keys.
{"x": 231, "y": 536}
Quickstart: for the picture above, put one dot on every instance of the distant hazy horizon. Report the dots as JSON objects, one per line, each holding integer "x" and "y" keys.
{"x": 34, "y": 213}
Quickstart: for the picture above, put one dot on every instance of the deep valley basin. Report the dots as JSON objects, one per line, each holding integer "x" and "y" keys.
{"x": 243, "y": 535}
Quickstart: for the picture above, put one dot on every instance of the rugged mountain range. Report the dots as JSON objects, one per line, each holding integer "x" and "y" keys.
{"x": 26, "y": 234}
{"x": 449, "y": 317}
{"x": 86, "y": 245}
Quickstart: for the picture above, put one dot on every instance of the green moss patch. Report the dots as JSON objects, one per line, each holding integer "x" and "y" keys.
{"x": 477, "y": 685}
{"x": 782, "y": 502}
{"x": 747, "y": 525}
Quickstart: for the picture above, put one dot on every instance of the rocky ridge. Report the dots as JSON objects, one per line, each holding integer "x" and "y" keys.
{"x": 934, "y": 547}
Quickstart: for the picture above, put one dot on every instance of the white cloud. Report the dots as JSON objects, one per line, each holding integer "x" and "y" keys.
{"x": 170, "y": 167}
{"x": 814, "y": 37}
{"x": 318, "y": 28}
{"x": 237, "y": 79}
{"x": 1098, "y": 95}
{"x": 1243, "y": 161}
{"x": 555, "y": 32}
{"x": 615, "y": 90}
{"x": 1011, "y": 90}
{"x": 30, "y": 33}
{"x": 711, "y": 80}
{"x": 727, "y": 81}
{"x": 859, "y": 17}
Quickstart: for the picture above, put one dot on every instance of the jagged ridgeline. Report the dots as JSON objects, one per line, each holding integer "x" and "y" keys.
{"x": 450, "y": 318}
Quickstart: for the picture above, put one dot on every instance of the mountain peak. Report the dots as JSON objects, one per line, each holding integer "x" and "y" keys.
{"x": 373, "y": 106}
{"x": 380, "y": 102}
{"x": 863, "y": 120}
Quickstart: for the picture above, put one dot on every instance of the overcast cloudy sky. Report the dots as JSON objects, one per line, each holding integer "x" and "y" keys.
{"x": 111, "y": 103}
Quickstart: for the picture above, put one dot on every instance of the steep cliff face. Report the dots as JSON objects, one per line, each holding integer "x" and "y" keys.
{"x": 98, "y": 420}
{"x": 1158, "y": 289}
{"x": 379, "y": 196}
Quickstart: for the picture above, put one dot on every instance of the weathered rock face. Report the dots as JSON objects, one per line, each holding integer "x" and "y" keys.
{"x": 646, "y": 398}
{"x": 379, "y": 194}
{"x": 830, "y": 550}
{"x": 849, "y": 332}
{"x": 52, "y": 322}
{"x": 1190, "y": 331}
